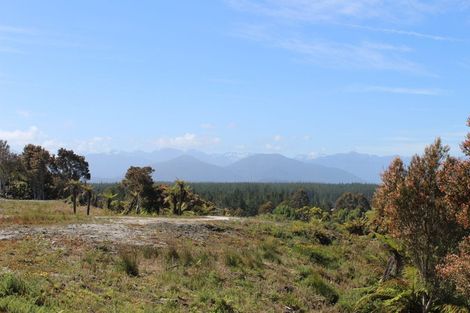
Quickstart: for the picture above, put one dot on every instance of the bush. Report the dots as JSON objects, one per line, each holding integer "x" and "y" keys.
{"x": 317, "y": 255}
{"x": 270, "y": 251}
{"x": 129, "y": 262}
{"x": 150, "y": 252}
{"x": 315, "y": 282}
{"x": 285, "y": 210}
{"x": 357, "y": 227}
{"x": 171, "y": 256}
{"x": 13, "y": 304}
{"x": 232, "y": 259}
{"x": 266, "y": 208}
{"x": 186, "y": 257}
{"x": 222, "y": 306}
{"x": 11, "y": 284}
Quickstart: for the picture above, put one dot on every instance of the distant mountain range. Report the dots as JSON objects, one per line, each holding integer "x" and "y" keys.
{"x": 197, "y": 166}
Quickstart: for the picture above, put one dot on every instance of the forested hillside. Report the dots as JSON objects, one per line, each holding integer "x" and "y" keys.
{"x": 250, "y": 196}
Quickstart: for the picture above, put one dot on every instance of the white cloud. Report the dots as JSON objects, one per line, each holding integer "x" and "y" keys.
{"x": 272, "y": 147}
{"x": 312, "y": 155}
{"x": 207, "y": 126}
{"x": 186, "y": 141}
{"x": 278, "y": 138}
{"x": 53, "y": 145}
{"x": 20, "y": 137}
{"x": 94, "y": 145}
{"x": 398, "y": 90}
{"x": 24, "y": 113}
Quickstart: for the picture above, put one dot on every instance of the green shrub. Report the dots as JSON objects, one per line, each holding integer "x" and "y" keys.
{"x": 13, "y": 304}
{"x": 223, "y": 306}
{"x": 317, "y": 255}
{"x": 315, "y": 282}
{"x": 171, "y": 256}
{"x": 11, "y": 284}
{"x": 186, "y": 257}
{"x": 285, "y": 211}
{"x": 232, "y": 259}
{"x": 270, "y": 251}
{"x": 251, "y": 259}
{"x": 129, "y": 262}
{"x": 150, "y": 252}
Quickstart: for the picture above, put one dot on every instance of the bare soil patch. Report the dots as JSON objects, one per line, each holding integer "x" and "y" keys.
{"x": 124, "y": 230}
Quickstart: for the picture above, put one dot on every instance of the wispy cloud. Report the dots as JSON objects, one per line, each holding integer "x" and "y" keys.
{"x": 340, "y": 10}
{"x": 328, "y": 53}
{"x": 186, "y": 141}
{"x": 405, "y": 33}
{"x": 7, "y": 29}
{"x": 282, "y": 16}
{"x": 207, "y": 126}
{"x": 7, "y": 49}
{"x": 24, "y": 113}
{"x": 398, "y": 90}
{"x": 19, "y": 40}
{"x": 464, "y": 63}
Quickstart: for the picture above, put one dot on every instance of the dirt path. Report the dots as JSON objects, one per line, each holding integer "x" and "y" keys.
{"x": 123, "y": 230}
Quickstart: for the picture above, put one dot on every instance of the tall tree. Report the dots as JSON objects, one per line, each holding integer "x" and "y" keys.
{"x": 70, "y": 165}
{"x": 350, "y": 206}
{"x": 66, "y": 166}
{"x": 138, "y": 184}
{"x": 299, "y": 199}
{"x": 413, "y": 209}
{"x": 36, "y": 162}
{"x": 455, "y": 183}
{"x": 7, "y": 159}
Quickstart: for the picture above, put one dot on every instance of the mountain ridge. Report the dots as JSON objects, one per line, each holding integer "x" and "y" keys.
{"x": 194, "y": 165}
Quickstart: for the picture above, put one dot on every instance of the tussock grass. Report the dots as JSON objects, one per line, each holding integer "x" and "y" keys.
{"x": 129, "y": 262}
{"x": 150, "y": 252}
{"x": 171, "y": 256}
{"x": 11, "y": 284}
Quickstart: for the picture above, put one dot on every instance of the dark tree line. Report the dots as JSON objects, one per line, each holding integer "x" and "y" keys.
{"x": 248, "y": 197}
{"x": 37, "y": 174}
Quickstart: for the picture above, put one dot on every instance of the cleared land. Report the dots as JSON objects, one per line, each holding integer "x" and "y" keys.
{"x": 53, "y": 261}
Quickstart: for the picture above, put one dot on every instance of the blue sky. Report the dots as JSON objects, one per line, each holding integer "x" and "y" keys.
{"x": 275, "y": 76}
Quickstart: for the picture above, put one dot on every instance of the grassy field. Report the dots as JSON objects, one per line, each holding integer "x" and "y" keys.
{"x": 244, "y": 265}
{"x": 43, "y": 212}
